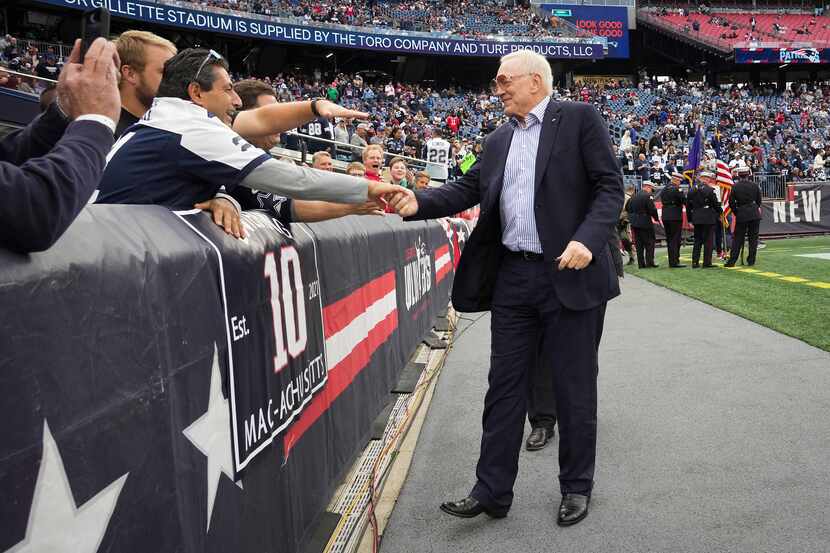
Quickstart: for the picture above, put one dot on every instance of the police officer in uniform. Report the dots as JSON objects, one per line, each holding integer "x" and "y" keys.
{"x": 673, "y": 200}
{"x": 745, "y": 202}
{"x": 641, "y": 211}
{"x": 704, "y": 212}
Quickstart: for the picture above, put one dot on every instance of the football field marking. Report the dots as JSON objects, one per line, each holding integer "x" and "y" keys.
{"x": 814, "y": 255}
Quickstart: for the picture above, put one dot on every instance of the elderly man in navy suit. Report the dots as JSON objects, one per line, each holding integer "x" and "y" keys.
{"x": 550, "y": 192}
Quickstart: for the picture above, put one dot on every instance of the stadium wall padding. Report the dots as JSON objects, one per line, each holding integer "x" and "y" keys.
{"x": 169, "y": 388}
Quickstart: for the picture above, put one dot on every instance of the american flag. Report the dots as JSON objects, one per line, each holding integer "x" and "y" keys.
{"x": 725, "y": 182}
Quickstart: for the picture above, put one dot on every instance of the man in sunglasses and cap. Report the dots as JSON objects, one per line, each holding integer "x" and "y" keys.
{"x": 191, "y": 144}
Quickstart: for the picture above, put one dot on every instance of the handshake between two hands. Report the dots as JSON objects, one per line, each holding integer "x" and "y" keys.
{"x": 402, "y": 200}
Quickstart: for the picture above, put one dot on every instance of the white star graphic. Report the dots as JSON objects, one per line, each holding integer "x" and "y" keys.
{"x": 211, "y": 434}
{"x": 55, "y": 522}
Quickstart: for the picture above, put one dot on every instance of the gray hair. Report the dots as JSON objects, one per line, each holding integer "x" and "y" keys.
{"x": 536, "y": 64}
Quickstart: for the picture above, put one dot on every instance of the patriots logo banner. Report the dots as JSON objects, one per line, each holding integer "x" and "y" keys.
{"x": 169, "y": 388}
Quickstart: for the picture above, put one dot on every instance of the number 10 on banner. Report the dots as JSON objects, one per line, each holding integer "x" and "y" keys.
{"x": 287, "y": 307}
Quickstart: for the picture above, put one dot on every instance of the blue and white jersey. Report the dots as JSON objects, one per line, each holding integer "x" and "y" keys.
{"x": 177, "y": 155}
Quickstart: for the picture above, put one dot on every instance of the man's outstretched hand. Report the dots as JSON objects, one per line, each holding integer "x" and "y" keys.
{"x": 381, "y": 192}
{"x": 330, "y": 110}
{"x": 404, "y": 202}
{"x": 576, "y": 256}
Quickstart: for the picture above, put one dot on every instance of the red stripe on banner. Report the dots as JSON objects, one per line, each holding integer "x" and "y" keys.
{"x": 445, "y": 269}
{"x": 442, "y": 272}
{"x": 339, "y": 314}
{"x": 339, "y": 379}
{"x": 336, "y": 317}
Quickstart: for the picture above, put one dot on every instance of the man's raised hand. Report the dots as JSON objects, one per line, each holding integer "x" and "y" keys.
{"x": 91, "y": 87}
{"x": 330, "y": 110}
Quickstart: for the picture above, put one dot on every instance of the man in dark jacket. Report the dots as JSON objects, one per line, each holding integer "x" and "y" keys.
{"x": 704, "y": 212}
{"x": 745, "y": 202}
{"x": 673, "y": 200}
{"x": 550, "y": 192}
{"x": 641, "y": 211}
{"x": 49, "y": 170}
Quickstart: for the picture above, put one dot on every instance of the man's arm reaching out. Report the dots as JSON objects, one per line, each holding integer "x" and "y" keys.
{"x": 302, "y": 183}
{"x": 281, "y": 117}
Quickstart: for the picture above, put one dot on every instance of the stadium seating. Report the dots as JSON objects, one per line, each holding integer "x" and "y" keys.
{"x": 733, "y": 28}
{"x": 470, "y": 19}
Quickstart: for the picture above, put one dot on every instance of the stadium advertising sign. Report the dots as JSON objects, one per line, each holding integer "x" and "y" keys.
{"x": 782, "y": 55}
{"x": 610, "y": 22}
{"x": 809, "y": 211}
{"x": 162, "y": 14}
{"x": 295, "y": 342}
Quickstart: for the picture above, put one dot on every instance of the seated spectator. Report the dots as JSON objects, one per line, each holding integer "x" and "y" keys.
{"x": 421, "y": 180}
{"x": 49, "y": 169}
{"x": 143, "y": 56}
{"x": 322, "y": 160}
{"x": 398, "y": 172}
{"x": 48, "y": 68}
{"x": 373, "y": 161}
{"x": 359, "y": 141}
{"x": 356, "y": 169}
{"x": 193, "y": 141}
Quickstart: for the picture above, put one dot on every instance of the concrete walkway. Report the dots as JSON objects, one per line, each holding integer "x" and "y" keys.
{"x": 700, "y": 448}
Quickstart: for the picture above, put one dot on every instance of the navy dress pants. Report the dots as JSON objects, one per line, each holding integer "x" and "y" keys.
{"x": 527, "y": 317}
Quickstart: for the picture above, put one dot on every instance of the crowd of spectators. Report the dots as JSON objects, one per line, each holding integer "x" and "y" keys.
{"x": 774, "y": 133}
{"x": 467, "y": 18}
{"x": 652, "y": 125}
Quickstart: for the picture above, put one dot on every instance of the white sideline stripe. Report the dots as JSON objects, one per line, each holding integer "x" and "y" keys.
{"x": 815, "y": 255}
{"x": 441, "y": 261}
{"x": 341, "y": 344}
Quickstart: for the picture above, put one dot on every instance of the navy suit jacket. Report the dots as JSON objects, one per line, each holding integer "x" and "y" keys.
{"x": 578, "y": 196}
{"x": 48, "y": 171}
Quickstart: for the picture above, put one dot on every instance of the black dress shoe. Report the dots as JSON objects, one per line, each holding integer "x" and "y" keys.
{"x": 538, "y": 438}
{"x": 574, "y": 507}
{"x": 729, "y": 264}
{"x": 654, "y": 266}
{"x": 676, "y": 266}
{"x": 470, "y": 507}
{"x": 695, "y": 265}
{"x": 709, "y": 266}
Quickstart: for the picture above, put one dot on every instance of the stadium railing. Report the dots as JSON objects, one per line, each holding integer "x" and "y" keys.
{"x": 63, "y": 50}
{"x": 773, "y": 186}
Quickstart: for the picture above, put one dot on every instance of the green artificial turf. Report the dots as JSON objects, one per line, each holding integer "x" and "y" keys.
{"x": 793, "y": 308}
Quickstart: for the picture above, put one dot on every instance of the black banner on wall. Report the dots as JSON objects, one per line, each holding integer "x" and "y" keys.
{"x": 134, "y": 353}
{"x": 808, "y": 212}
